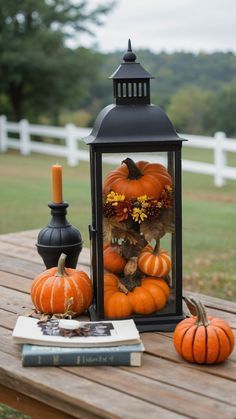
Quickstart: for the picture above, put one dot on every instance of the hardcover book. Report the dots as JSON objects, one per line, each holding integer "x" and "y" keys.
{"x": 34, "y": 355}
{"x": 74, "y": 333}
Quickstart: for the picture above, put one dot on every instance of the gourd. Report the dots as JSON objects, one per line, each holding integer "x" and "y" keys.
{"x": 202, "y": 339}
{"x": 56, "y": 288}
{"x": 112, "y": 259}
{"x": 154, "y": 262}
{"x": 137, "y": 179}
{"x": 150, "y": 296}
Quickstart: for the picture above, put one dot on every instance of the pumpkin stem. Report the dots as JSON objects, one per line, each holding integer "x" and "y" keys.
{"x": 134, "y": 172}
{"x": 202, "y": 319}
{"x": 61, "y": 265}
{"x": 157, "y": 247}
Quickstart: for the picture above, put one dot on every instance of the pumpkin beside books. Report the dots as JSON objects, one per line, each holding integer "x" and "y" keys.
{"x": 59, "y": 290}
{"x": 203, "y": 339}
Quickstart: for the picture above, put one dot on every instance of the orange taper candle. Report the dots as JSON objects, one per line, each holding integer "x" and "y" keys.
{"x": 57, "y": 183}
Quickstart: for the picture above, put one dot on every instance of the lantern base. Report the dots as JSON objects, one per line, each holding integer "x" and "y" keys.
{"x": 165, "y": 323}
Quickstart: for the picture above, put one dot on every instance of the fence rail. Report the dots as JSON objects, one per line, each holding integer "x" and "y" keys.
{"x": 73, "y": 136}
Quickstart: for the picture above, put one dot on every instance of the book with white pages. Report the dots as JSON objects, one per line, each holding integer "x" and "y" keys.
{"x": 75, "y": 333}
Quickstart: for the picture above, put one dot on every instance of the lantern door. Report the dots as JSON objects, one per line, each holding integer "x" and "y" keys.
{"x": 136, "y": 235}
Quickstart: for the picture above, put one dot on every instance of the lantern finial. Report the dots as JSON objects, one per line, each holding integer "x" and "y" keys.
{"x": 129, "y": 56}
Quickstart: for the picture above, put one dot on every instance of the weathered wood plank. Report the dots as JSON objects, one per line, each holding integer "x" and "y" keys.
{"x": 28, "y": 269}
{"x": 181, "y": 376}
{"x": 160, "y": 346}
{"x": 20, "y": 266}
{"x": 183, "y": 401}
{"x": 165, "y": 385}
{"x": 18, "y": 235}
{"x": 29, "y": 406}
{"x": 15, "y": 302}
{"x": 19, "y": 239}
{"x": 154, "y": 390}
{"x": 75, "y": 395}
{"x": 228, "y": 316}
{"x": 20, "y": 252}
{"x": 30, "y": 253}
{"x": 7, "y": 319}
{"x": 15, "y": 282}
{"x": 25, "y": 233}
{"x": 213, "y": 302}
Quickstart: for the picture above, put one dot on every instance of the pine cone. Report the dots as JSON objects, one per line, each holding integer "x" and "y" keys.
{"x": 109, "y": 210}
{"x": 153, "y": 212}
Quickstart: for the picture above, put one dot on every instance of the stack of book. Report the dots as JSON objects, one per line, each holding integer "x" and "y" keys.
{"x": 72, "y": 342}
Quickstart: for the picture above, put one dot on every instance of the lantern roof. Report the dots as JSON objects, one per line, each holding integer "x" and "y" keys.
{"x": 132, "y": 118}
{"x": 129, "y": 69}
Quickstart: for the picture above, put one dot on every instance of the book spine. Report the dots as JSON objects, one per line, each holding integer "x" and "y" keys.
{"x": 128, "y": 358}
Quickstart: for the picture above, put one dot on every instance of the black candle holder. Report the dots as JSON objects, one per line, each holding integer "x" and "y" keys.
{"x": 59, "y": 236}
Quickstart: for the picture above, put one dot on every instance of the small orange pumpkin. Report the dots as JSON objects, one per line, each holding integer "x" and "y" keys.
{"x": 154, "y": 262}
{"x": 116, "y": 302}
{"x": 201, "y": 339}
{"x": 150, "y": 296}
{"x": 137, "y": 179}
{"x": 112, "y": 259}
{"x": 56, "y": 288}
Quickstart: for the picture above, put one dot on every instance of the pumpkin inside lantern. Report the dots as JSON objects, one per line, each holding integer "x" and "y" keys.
{"x": 137, "y": 210}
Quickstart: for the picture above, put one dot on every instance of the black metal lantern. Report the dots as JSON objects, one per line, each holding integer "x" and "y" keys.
{"x": 136, "y": 230}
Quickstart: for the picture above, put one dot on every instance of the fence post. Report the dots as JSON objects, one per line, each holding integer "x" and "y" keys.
{"x": 24, "y": 137}
{"x": 3, "y": 133}
{"x": 219, "y": 159}
{"x": 72, "y": 145}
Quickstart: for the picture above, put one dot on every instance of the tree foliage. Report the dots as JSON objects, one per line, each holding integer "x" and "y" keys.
{"x": 222, "y": 109}
{"x": 41, "y": 77}
{"x": 196, "y": 90}
{"x": 188, "y": 109}
{"x": 36, "y": 66}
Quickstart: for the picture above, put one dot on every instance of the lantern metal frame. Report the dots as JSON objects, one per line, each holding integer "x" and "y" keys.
{"x": 134, "y": 125}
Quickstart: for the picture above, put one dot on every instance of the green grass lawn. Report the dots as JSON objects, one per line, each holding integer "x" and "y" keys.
{"x": 209, "y": 214}
{"x": 7, "y": 412}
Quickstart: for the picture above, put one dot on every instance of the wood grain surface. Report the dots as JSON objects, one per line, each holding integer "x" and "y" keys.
{"x": 164, "y": 386}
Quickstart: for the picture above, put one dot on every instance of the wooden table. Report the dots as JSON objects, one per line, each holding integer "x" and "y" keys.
{"x": 164, "y": 386}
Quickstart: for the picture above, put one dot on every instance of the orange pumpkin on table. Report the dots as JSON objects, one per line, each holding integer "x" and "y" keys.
{"x": 53, "y": 289}
{"x": 150, "y": 296}
{"x": 137, "y": 179}
{"x": 202, "y": 339}
{"x": 154, "y": 262}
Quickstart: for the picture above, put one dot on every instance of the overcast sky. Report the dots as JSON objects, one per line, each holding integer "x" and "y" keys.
{"x": 170, "y": 25}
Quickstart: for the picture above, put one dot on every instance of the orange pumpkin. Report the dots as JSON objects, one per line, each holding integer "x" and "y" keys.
{"x": 154, "y": 262}
{"x": 112, "y": 259}
{"x": 150, "y": 296}
{"x": 137, "y": 179}
{"x": 201, "y": 339}
{"x": 116, "y": 303}
{"x": 56, "y": 288}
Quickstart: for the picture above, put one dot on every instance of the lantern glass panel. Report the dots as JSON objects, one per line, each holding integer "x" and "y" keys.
{"x": 139, "y": 232}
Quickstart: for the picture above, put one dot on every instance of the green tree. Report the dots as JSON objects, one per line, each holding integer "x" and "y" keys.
{"x": 188, "y": 109}
{"x": 222, "y": 110}
{"x": 38, "y": 72}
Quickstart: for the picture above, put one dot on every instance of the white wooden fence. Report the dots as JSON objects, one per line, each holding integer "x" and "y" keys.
{"x": 73, "y": 136}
